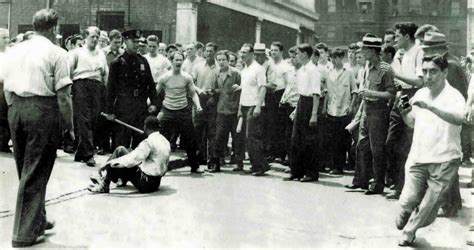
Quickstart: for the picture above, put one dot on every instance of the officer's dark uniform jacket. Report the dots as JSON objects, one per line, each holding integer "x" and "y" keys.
{"x": 129, "y": 85}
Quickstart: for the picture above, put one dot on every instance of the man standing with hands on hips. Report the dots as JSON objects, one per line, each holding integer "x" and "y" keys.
{"x": 37, "y": 93}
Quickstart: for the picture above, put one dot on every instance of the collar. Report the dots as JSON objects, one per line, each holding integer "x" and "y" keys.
{"x": 376, "y": 65}
{"x": 228, "y": 72}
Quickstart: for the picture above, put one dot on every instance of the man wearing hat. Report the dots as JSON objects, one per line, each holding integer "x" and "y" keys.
{"x": 129, "y": 85}
{"x": 376, "y": 91}
{"x": 435, "y": 44}
{"x": 142, "y": 46}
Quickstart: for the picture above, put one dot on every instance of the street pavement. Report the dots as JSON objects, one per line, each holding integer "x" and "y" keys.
{"x": 221, "y": 210}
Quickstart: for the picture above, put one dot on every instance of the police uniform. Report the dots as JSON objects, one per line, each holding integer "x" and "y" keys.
{"x": 129, "y": 86}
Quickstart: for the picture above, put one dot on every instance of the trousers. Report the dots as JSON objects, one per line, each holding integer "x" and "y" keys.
{"x": 226, "y": 124}
{"x": 425, "y": 188}
{"x": 205, "y": 127}
{"x": 34, "y": 124}
{"x": 340, "y": 142}
{"x": 254, "y": 139}
{"x": 274, "y": 126}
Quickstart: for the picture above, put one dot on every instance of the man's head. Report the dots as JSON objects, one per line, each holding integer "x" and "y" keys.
{"x": 337, "y": 56}
{"x": 177, "y": 59}
{"x": 104, "y": 40}
{"x": 179, "y": 46}
{"x": 434, "y": 43}
{"x": 77, "y": 41}
{"x": 4, "y": 38}
{"x": 151, "y": 125}
{"x": 323, "y": 52}
{"x": 303, "y": 53}
{"x": 209, "y": 51}
{"x": 371, "y": 46}
{"x": 246, "y": 53}
{"x": 360, "y": 58}
{"x": 222, "y": 58}
{"x": 260, "y": 55}
{"x": 389, "y": 37}
{"x": 292, "y": 55}
{"x": 115, "y": 40}
{"x": 190, "y": 48}
{"x": 315, "y": 57}
{"x": 162, "y": 49}
{"x": 232, "y": 59}
{"x": 152, "y": 43}
{"x": 351, "y": 52}
{"x": 434, "y": 71}
{"x": 131, "y": 39}
{"x": 405, "y": 34}
{"x": 276, "y": 51}
{"x": 387, "y": 53}
{"x": 170, "y": 49}
{"x": 92, "y": 34}
{"x": 199, "y": 49}
{"x": 421, "y": 31}
{"x": 45, "y": 22}
{"x": 142, "y": 46}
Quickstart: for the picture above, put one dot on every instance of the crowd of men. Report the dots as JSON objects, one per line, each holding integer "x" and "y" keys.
{"x": 392, "y": 110}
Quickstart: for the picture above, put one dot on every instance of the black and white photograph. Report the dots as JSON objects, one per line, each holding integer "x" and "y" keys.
{"x": 237, "y": 124}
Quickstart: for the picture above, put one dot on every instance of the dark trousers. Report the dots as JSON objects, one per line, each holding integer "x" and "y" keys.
{"x": 181, "y": 122}
{"x": 304, "y": 142}
{"x": 274, "y": 125}
{"x": 399, "y": 139}
{"x": 254, "y": 139}
{"x": 324, "y": 140}
{"x": 86, "y": 106}
{"x": 133, "y": 111}
{"x": 103, "y": 131}
{"x": 34, "y": 124}
{"x": 4, "y": 129}
{"x": 466, "y": 141}
{"x": 205, "y": 127}
{"x": 143, "y": 182}
{"x": 226, "y": 124}
{"x": 288, "y": 125}
{"x": 340, "y": 141}
{"x": 371, "y": 152}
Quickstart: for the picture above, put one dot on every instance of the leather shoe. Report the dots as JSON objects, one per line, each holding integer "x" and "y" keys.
{"x": 259, "y": 173}
{"x": 49, "y": 225}
{"x": 214, "y": 170}
{"x": 91, "y": 162}
{"x": 393, "y": 196}
{"x": 17, "y": 244}
{"x": 373, "y": 191}
{"x": 407, "y": 240}
{"x": 402, "y": 219}
{"x": 97, "y": 188}
{"x": 308, "y": 179}
{"x": 335, "y": 172}
{"x": 352, "y": 186}
{"x": 291, "y": 178}
{"x": 196, "y": 171}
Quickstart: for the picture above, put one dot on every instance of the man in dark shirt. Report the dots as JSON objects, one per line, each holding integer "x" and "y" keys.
{"x": 129, "y": 85}
{"x": 228, "y": 89}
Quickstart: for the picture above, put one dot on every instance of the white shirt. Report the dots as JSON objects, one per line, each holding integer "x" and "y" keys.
{"x": 88, "y": 65}
{"x": 411, "y": 65}
{"x": 158, "y": 65}
{"x": 435, "y": 140}
{"x": 189, "y": 66}
{"x": 308, "y": 80}
{"x": 252, "y": 78}
{"x": 290, "y": 95}
{"x": 35, "y": 67}
{"x": 151, "y": 156}
{"x": 280, "y": 69}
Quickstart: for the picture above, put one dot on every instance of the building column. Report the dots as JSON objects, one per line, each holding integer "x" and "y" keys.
{"x": 258, "y": 30}
{"x": 186, "y": 21}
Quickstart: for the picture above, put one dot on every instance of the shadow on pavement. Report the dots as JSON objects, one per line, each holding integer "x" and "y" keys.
{"x": 131, "y": 192}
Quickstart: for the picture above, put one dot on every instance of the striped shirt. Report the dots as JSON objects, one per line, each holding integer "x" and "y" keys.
{"x": 35, "y": 67}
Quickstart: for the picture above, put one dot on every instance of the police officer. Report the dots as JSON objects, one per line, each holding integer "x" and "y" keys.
{"x": 129, "y": 85}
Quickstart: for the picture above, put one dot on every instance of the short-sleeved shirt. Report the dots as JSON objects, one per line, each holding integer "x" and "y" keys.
{"x": 189, "y": 66}
{"x": 176, "y": 89}
{"x": 434, "y": 139}
{"x": 378, "y": 78}
{"x": 88, "y": 65}
{"x": 280, "y": 69}
{"x": 205, "y": 75}
{"x": 252, "y": 78}
{"x": 308, "y": 80}
{"x": 411, "y": 65}
{"x": 290, "y": 95}
{"x": 35, "y": 67}
{"x": 158, "y": 65}
{"x": 341, "y": 84}
{"x": 228, "y": 103}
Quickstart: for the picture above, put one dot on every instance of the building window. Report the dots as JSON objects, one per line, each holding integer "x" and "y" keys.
{"x": 331, "y": 6}
{"x": 331, "y": 32}
{"x": 455, "y": 8}
{"x": 365, "y": 7}
{"x": 414, "y": 6}
{"x": 109, "y": 20}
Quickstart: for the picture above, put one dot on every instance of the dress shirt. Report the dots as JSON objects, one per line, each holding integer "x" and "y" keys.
{"x": 35, "y": 67}
{"x": 112, "y": 55}
{"x": 341, "y": 84}
{"x": 151, "y": 156}
{"x": 252, "y": 78}
{"x": 308, "y": 80}
{"x": 290, "y": 95}
{"x": 378, "y": 79}
{"x": 189, "y": 66}
{"x": 228, "y": 103}
{"x": 280, "y": 69}
{"x": 411, "y": 65}
{"x": 159, "y": 65}
{"x": 205, "y": 76}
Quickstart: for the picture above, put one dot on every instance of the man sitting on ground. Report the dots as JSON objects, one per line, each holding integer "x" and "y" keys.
{"x": 144, "y": 166}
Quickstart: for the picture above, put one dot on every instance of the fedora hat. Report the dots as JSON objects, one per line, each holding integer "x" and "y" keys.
{"x": 259, "y": 48}
{"x": 434, "y": 39}
{"x": 371, "y": 41}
